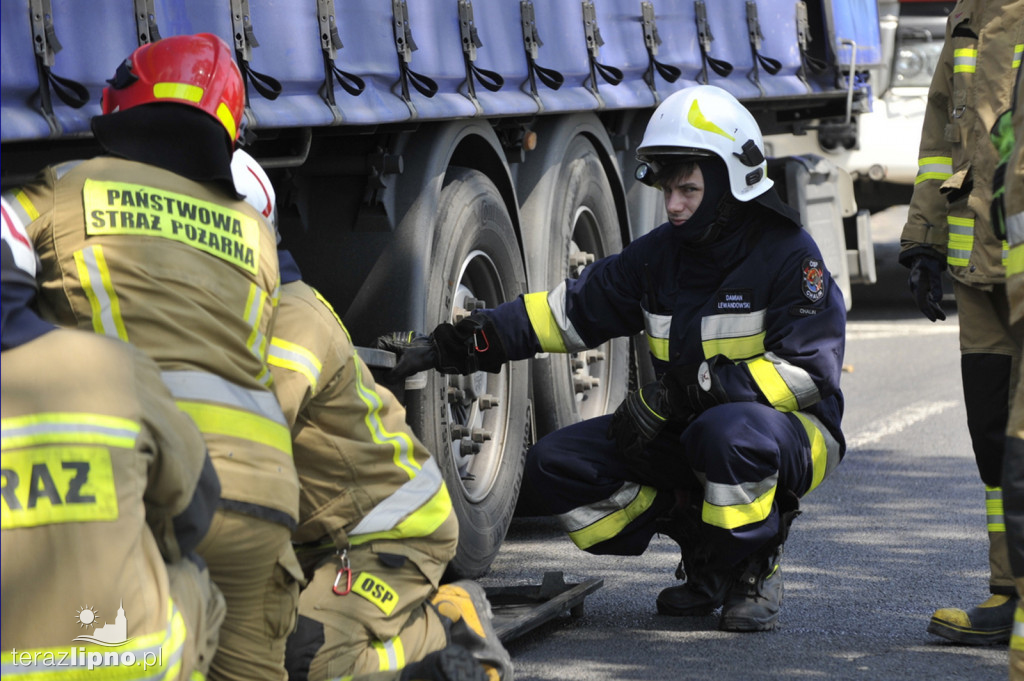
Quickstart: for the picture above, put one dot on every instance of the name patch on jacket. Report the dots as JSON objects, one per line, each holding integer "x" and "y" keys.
{"x": 122, "y": 208}
{"x": 813, "y": 281}
{"x": 58, "y": 484}
{"x": 735, "y": 300}
{"x": 375, "y": 590}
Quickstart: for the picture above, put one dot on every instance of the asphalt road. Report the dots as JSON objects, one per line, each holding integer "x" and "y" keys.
{"x": 897, "y": 531}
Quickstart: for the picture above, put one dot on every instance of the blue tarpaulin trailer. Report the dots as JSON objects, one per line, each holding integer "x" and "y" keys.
{"x": 434, "y": 156}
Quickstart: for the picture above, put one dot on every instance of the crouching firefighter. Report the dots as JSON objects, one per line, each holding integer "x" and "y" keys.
{"x": 746, "y": 333}
{"x": 376, "y": 525}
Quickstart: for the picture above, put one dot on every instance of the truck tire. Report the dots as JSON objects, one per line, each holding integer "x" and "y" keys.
{"x": 476, "y": 257}
{"x": 583, "y": 226}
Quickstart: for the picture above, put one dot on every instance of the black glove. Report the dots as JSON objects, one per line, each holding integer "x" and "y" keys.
{"x": 926, "y": 285}
{"x": 414, "y": 352}
{"x": 639, "y": 419}
{"x": 469, "y": 346}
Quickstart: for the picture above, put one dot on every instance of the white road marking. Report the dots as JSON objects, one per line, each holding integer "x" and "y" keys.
{"x": 873, "y": 330}
{"x": 899, "y": 421}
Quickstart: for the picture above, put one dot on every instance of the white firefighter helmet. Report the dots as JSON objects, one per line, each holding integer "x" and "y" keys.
{"x": 251, "y": 182}
{"x": 705, "y": 120}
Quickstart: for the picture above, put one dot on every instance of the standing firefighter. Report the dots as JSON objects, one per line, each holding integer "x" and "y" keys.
{"x": 1008, "y": 220}
{"x": 151, "y": 244}
{"x": 107, "y": 490}
{"x": 746, "y": 333}
{"x": 376, "y": 525}
{"x": 948, "y": 226}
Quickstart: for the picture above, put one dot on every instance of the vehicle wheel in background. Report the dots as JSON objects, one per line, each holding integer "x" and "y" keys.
{"x": 584, "y": 227}
{"x": 476, "y": 425}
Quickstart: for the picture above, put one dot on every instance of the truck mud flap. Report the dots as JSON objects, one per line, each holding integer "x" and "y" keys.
{"x": 521, "y": 609}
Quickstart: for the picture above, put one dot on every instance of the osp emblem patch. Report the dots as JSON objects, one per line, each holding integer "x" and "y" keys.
{"x": 813, "y": 282}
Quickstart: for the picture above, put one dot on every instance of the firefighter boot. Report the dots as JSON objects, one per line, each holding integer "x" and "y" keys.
{"x": 453, "y": 663}
{"x": 984, "y": 624}
{"x": 704, "y": 588}
{"x": 464, "y": 603}
{"x": 989, "y": 622}
{"x": 755, "y": 597}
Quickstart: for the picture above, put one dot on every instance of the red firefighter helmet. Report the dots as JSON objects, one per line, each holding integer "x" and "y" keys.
{"x": 197, "y": 70}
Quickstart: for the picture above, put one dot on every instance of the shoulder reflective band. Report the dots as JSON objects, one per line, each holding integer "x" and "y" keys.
{"x": 131, "y": 209}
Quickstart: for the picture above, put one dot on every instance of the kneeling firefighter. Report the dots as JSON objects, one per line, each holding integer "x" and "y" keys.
{"x": 746, "y": 332}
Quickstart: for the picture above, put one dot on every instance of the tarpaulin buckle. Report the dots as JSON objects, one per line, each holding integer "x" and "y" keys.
{"x": 345, "y": 570}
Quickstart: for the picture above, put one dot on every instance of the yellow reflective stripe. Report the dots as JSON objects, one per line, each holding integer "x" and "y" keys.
{"x": 771, "y": 384}
{"x": 610, "y": 525}
{"x": 401, "y": 443}
{"x": 420, "y": 523}
{"x": 735, "y": 348}
{"x": 294, "y": 357}
{"x": 68, "y": 427}
{"x": 737, "y": 336}
{"x": 255, "y": 304}
{"x": 104, "y": 305}
{"x": 151, "y": 657}
{"x": 212, "y": 419}
{"x": 227, "y": 120}
{"x": 696, "y": 118}
{"x": 821, "y": 463}
{"x": 961, "y": 240}
{"x": 186, "y": 91}
{"x": 994, "y": 509}
{"x": 1015, "y": 260}
{"x": 658, "y": 348}
{"x": 390, "y": 654}
{"x": 26, "y": 205}
{"x": 658, "y": 328}
{"x": 965, "y": 60}
{"x": 738, "y": 515}
{"x": 1018, "y": 52}
{"x": 934, "y": 168}
{"x": 543, "y": 322}
{"x": 1017, "y": 637}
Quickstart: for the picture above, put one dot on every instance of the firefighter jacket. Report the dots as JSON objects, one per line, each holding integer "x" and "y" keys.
{"x": 759, "y": 296}
{"x": 949, "y": 210}
{"x": 104, "y": 481}
{"x": 364, "y": 475}
{"x": 1009, "y": 139}
{"x": 189, "y": 275}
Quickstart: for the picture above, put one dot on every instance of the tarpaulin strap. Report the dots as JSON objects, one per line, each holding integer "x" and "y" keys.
{"x": 405, "y": 46}
{"x": 491, "y": 80}
{"x": 612, "y": 75}
{"x": 803, "y": 38}
{"x": 245, "y": 39}
{"x": 704, "y": 39}
{"x": 46, "y": 45}
{"x": 330, "y": 43}
{"x": 532, "y": 43}
{"x": 145, "y": 22}
{"x": 772, "y": 66}
{"x": 652, "y": 40}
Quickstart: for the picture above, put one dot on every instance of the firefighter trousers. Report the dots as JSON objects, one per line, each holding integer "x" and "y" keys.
{"x": 741, "y": 457}
{"x": 372, "y": 617}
